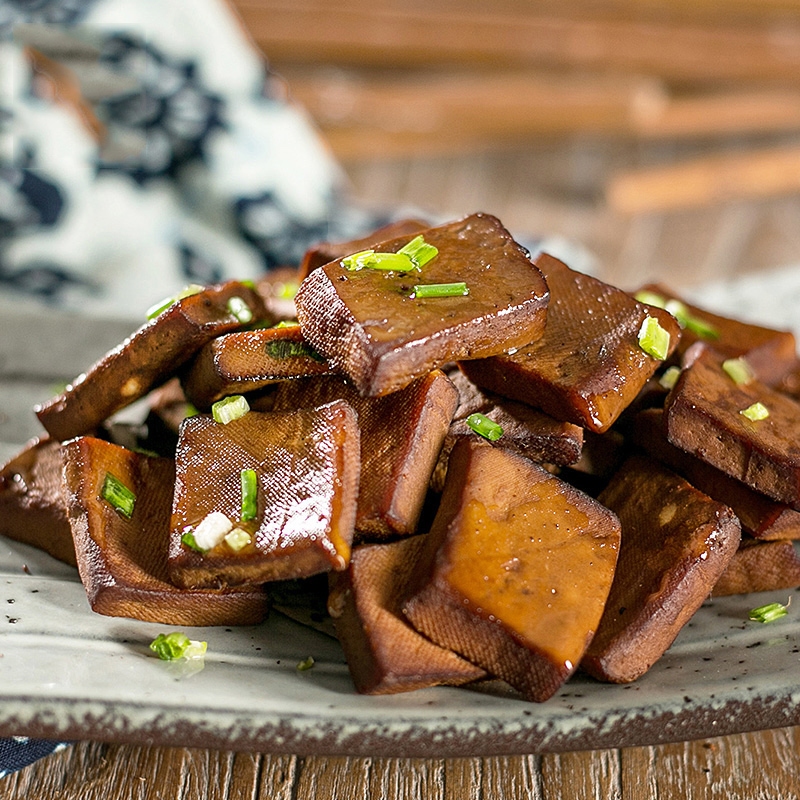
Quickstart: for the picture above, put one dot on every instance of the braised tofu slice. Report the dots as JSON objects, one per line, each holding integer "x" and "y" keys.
{"x": 32, "y": 506}
{"x": 760, "y": 516}
{"x": 290, "y": 516}
{"x": 760, "y": 567}
{"x": 119, "y": 508}
{"x": 589, "y": 365}
{"x": 277, "y": 290}
{"x": 384, "y": 653}
{"x": 516, "y": 570}
{"x": 703, "y": 415}
{"x": 526, "y": 430}
{"x": 771, "y": 353}
{"x": 676, "y": 542}
{"x": 246, "y": 361}
{"x": 373, "y": 327}
{"x": 325, "y": 252}
{"x": 148, "y": 358}
{"x": 401, "y": 436}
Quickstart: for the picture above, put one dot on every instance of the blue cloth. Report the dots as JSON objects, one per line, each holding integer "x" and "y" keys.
{"x": 17, "y": 752}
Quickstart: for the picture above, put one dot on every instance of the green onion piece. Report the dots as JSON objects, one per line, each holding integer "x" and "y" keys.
{"x": 285, "y": 291}
{"x": 190, "y": 411}
{"x": 306, "y": 664}
{"x": 163, "y": 305}
{"x": 399, "y": 262}
{"x": 651, "y": 298}
{"x": 249, "y": 494}
{"x": 755, "y": 412}
{"x": 117, "y": 494}
{"x": 175, "y": 645}
{"x": 487, "y": 428}
{"x": 230, "y": 408}
{"x": 189, "y": 540}
{"x": 441, "y": 290}
{"x": 248, "y": 283}
{"x": 653, "y": 339}
{"x": 678, "y": 310}
{"x": 669, "y": 378}
{"x": 739, "y": 371}
{"x": 768, "y": 613}
{"x": 705, "y": 330}
{"x": 240, "y": 310}
{"x": 419, "y": 251}
{"x": 287, "y": 323}
{"x": 237, "y": 539}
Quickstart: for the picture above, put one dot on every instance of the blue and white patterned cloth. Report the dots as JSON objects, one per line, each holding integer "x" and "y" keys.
{"x": 205, "y": 170}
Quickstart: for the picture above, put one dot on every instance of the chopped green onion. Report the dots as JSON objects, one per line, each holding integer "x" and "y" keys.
{"x": 669, "y": 378}
{"x": 237, "y": 539}
{"x": 399, "y": 262}
{"x": 306, "y": 664}
{"x": 653, "y": 339}
{"x": 190, "y": 542}
{"x": 117, "y": 494}
{"x": 190, "y": 411}
{"x": 287, "y": 323}
{"x": 240, "y": 310}
{"x": 739, "y": 371}
{"x": 248, "y": 283}
{"x": 285, "y": 291}
{"x": 484, "y": 426}
{"x": 441, "y": 290}
{"x": 768, "y": 613}
{"x": 163, "y": 305}
{"x": 705, "y": 330}
{"x": 419, "y": 251}
{"x": 755, "y": 412}
{"x": 249, "y": 494}
{"x": 651, "y": 298}
{"x": 212, "y": 530}
{"x": 230, "y": 408}
{"x": 175, "y": 645}
{"x": 286, "y": 348}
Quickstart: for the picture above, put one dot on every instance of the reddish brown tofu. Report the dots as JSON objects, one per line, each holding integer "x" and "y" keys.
{"x": 307, "y": 465}
{"x": 145, "y": 360}
{"x": 123, "y": 561}
{"x": 516, "y": 570}
{"x": 770, "y": 353}
{"x": 676, "y": 542}
{"x": 760, "y": 516}
{"x": 588, "y": 366}
{"x": 760, "y": 567}
{"x": 325, "y": 252}
{"x": 401, "y": 436}
{"x": 703, "y": 417}
{"x": 372, "y": 327}
{"x": 384, "y": 653}
{"x": 247, "y": 361}
{"x": 32, "y": 506}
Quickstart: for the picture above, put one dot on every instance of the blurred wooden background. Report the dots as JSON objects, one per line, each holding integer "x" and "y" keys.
{"x": 661, "y": 135}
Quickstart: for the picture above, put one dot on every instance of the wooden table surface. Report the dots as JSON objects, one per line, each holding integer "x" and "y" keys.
{"x": 752, "y": 765}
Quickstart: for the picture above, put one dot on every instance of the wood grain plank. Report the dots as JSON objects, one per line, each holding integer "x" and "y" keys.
{"x": 406, "y": 777}
{"x": 519, "y": 777}
{"x": 331, "y": 778}
{"x": 463, "y": 779}
{"x": 594, "y": 775}
{"x": 277, "y": 778}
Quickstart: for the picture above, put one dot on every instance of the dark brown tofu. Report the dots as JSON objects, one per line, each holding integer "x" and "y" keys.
{"x": 760, "y": 567}
{"x": 32, "y": 506}
{"x": 676, "y": 542}
{"x": 123, "y": 561}
{"x": 384, "y": 653}
{"x": 247, "y": 361}
{"x": 588, "y": 366}
{"x": 325, "y": 252}
{"x": 307, "y": 467}
{"x": 516, "y": 569}
{"x": 145, "y": 360}
{"x": 371, "y": 326}
{"x": 770, "y": 353}
{"x": 703, "y": 417}
{"x": 401, "y": 436}
{"x": 760, "y": 516}
{"x": 277, "y": 290}
{"x": 526, "y": 430}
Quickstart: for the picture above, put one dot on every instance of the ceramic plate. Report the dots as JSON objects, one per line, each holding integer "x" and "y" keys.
{"x": 69, "y": 673}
